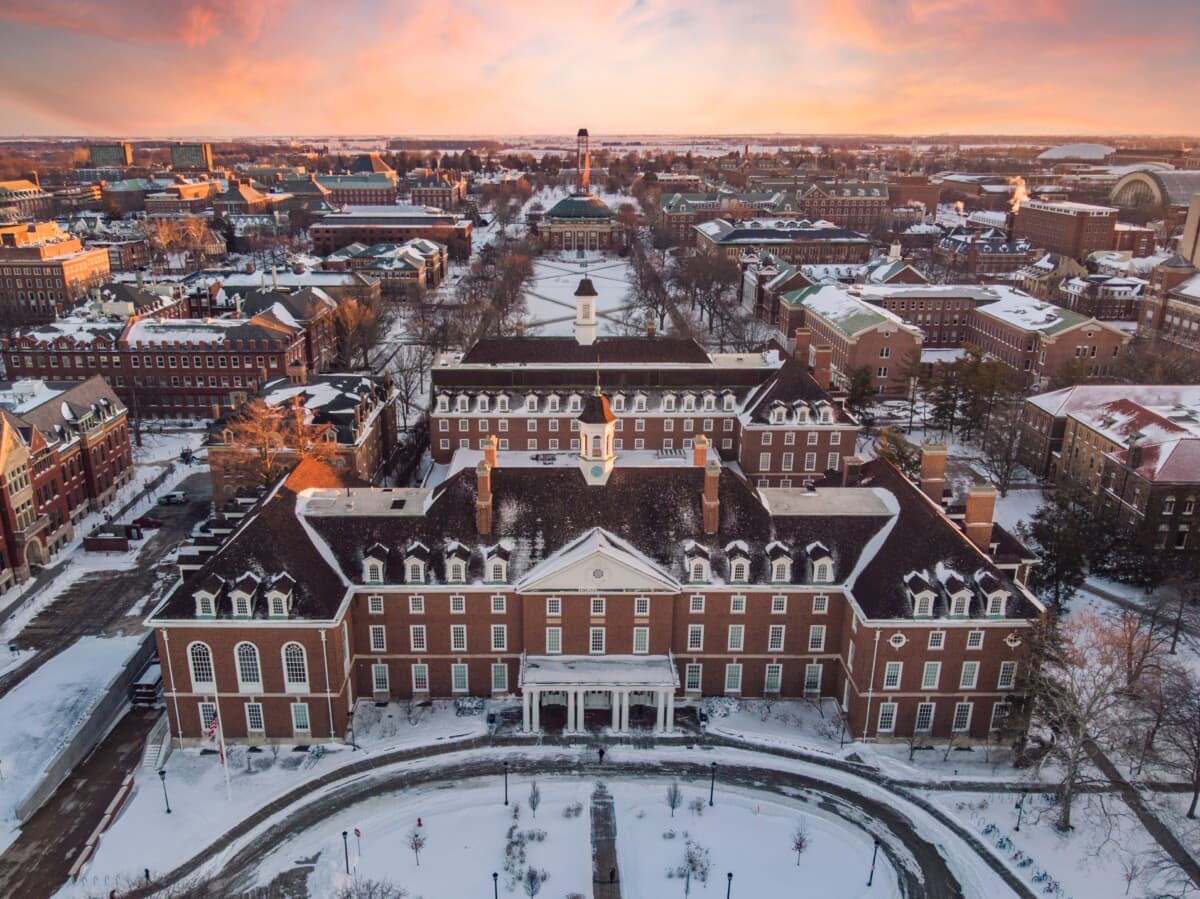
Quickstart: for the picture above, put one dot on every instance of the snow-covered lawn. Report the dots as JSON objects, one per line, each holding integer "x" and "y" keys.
{"x": 1107, "y": 850}
{"x": 550, "y": 294}
{"x": 42, "y": 713}
{"x": 466, "y": 833}
{"x": 746, "y": 834}
{"x": 1017, "y": 507}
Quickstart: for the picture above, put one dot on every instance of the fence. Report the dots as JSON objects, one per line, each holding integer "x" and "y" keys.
{"x": 107, "y": 710}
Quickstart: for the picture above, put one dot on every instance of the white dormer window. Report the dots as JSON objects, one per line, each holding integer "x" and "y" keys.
{"x": 415, "y": 571}
{"x": 710, "y": 402}
{"x": 374, "y": 573}
{"x": 457, "y": 573}
{"x": 573, "y": 404}
{"x": 205, "y": 607}
{"x": 739, "y": 571}
{"x": 924, "y": 605}
{"x": 729, "y": 399}
{"x": 485, "y": 404}
{"x": 639, "y": 403}
{"x": 463, "y": 403}
{"x": 699, "y": 572}
{"x": 552, "y": 403}
{"x": 497, "y": 570}
{"x": 822, "y": 572}
{"x": 689, "y": 402}
{"x": 502, "y": 404}
{"x": 618, "y": 403}
{"x": 777, "y": 416}
{"x": 995, "y": 604}
{"x": 531, "y": 403}
{"x": 278, "y": 605}
{"x": 826, "y": 415}
{"x": 669, "y": 402}
{"x": 779, "y": 570}
{"x": 241, "y": 605}
{"x": 958, "y": 605}
{"x": 802, "y": 415}
{"x": 443, "y": 403}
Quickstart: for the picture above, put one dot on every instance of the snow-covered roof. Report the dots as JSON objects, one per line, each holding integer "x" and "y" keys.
{"x": 844, "y": 311}
{"x": 1081, "y": 151}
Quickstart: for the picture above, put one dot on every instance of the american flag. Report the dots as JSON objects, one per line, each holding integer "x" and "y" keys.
{"x": 214, "y": 729}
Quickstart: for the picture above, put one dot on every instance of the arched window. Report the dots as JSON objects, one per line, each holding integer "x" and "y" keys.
{"x": 595, "y": 444}
{"x": 821, "y": 572}
{"x": 497, "y": 571}
{"x": 374, "y": 573}
{"x": 201, "y": 664}
{"x": 779, "y": 570}
{"x": 456, "y": 571}
{"x": 295, "y": 668}
{"x": 416, "y": 573}
{"x": 739, "y": 571}
{"x": 697, "y": 570}
{"x": 248, "y": 669}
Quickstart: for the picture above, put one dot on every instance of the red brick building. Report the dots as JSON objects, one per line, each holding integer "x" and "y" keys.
{"x": 792, "y": 240}
{"x": 391, "y": 224}
{"x": 611, "y": 583}
{"x": 367, "y": 189}
{"x": 443, "y": 188}
{"x": 64, "y": 452}
{"x": 44, "y": 271}
{"x": 1061, "y": 226}
{"x": 984, "y": 253}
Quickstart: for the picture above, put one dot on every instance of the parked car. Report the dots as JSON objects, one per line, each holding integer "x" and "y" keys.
{"x": 147, "y": 521}
{"x": 174, "y": 498}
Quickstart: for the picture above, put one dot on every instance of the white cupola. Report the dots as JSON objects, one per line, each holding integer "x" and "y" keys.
{"x": 585, "y": 312}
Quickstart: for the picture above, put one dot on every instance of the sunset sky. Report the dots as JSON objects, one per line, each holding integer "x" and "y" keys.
{"x": 288, "y": 67}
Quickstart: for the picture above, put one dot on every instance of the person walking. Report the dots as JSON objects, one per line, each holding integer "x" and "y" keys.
{"x": 601, "y": 753}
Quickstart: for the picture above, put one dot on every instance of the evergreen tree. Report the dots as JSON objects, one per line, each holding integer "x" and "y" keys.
{"x": 1060, "y": 532}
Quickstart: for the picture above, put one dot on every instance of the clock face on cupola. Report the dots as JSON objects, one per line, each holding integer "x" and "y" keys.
{"x": 597, "y": 425}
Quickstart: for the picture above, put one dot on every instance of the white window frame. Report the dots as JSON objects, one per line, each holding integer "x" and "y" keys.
{"x": 201, "y": 685}
{"x": 737, "y": 604}
{"x": 378, "y": 635}
{"x": 553, "y": 607}
{"x": 596, "y": 638}
{"x": 937, "y": 640}
{"x": 375, "y": 604}
{"x": 420, "y": 677}
{"x": 553, "y": 641}
{"x": 291, "y": 685}
{"x": 733, "y": 677}
{"x": 816, "y": 638}
{"x": 695, "y": 638}
{"x": 299, "y": 727}
{"x": 499, "y": 604}
{"x": 250, "y": 709}
{"x": 736, "y": 641}
{"x": 931, "y": 675}
{"x": 458, "y": 638}
{"x": 893, "y": 674}
{"x": 416, "y": 605}
{"x": 968, "y": 679}
{"x": 773, "y": 678}
{"x": 955, "y": 727}
{"x": 380, "y": 684}
{"x": 779, "y": 604}
{"x": 922, "y": 707}
{"x": 418, "y": 640}
{"x": 597, "y": 606}
{"x": 813, "y": 672}
{"x": 696, "y": 604}
{"x": 641, "y": 640}
{"x": 456, "y": 669}
{"x": 499, "y": 677}
{"x": 776, "y": 634}
{"x": 1007, "y": 677}
{"x": 974, "y": 640}
{"x": 820, "y": 604}
{"x": 886, "y": 723}
{"x": 641, "y": 606}
{"x": 501, "y": 631}
{"x": 693, "y": 674}
{"x": 458, "y": 604}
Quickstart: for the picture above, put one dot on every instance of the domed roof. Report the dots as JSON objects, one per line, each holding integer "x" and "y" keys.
{"x": 580, "y": 206}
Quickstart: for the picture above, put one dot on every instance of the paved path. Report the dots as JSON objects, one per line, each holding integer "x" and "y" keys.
{"x": 36, "y": 865}
{"x": 604, "y": 846}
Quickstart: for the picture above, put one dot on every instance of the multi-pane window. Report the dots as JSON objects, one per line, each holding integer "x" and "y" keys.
{"x": 691, "y": 676}
{"x": 596, "y": 640}
{"x": 295, "y": 668}
{"x": 931, "y": 675}
{"x": 737, "y": 637}
{"x": 375, "y": 605}
{"x": 737, "y": 605}
{"x": 773, "y": 682}
{"x": 891, "y": 675}
{"x": 924, "y": 722}
{"x": 775, "y": 638}
{"x": 641, "y": 606}
{"x": 812, "y": 678}
{"x": 695, "y": 638}
{"x": 208, "y": 713}
{"x": 778, "y": 605}
{"x": 937, "y": 639}
{"x": 379, "y": 678}
{"x": 733, "y": 678}
{"x": 499, "y": 678}
{"x": 597, "y": 606}
{"x": 200, "y": 660}
{"x": 641, "y": 640}
{"x": 999, "y": 715}
{"x": 458, "y": 677}
{"x": 458, "y": 637}
{"x": 499, "y": 637}
{"x": 416, "y": 605}
{"x": 254, "y": 718}
{"x": 887, "y": 717}
{"x": 420, "y": 678}
{"x": 249, "y": 670}
{"x": 962, "y": 717}
{"x": 416, "y": 637}
{"x": 300, "y": 723}
{"x": 553, "y": 640}
{"x": 378, "y": 638}
{"x": 820, "y": 604}
{"x": 970, "y": 676}
{"x": 553, "y": 606}
{"x": 499, "y": 605}
{"x": 816, "y": 638}
{"x": 696, "y": 604}
{"x": 1008, "y": 675}
{"x": 458, "y": 604}
{"x": 975, "y": 640}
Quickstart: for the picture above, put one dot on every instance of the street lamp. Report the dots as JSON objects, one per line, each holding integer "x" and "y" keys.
{"x": 495, "y": 885}
{"x": 506, "y": 783}
{"x": 728, "y": 884}
{"x": 346, "y": 848}
{"x": 874, "y": 853}
{"x": 162, "y": 775}
{"x": 712, "y": 784}
{"x": 1020, "y": 809}
{"x": 350, "y": 727}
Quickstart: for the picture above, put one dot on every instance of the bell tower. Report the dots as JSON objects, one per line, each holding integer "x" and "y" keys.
{"x": 597, "y": 424}
{"x": 585, "y": 312}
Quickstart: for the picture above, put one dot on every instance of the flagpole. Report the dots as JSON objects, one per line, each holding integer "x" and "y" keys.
{"x": 224, "y": 756}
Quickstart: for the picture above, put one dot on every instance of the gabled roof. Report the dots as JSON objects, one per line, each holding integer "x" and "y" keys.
{"x": 568, "y": 351}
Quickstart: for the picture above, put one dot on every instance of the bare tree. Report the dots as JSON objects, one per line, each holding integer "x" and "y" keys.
{"x": 358, "y": 330}
{"x": 673, "y": 797}
{"x": 270, "y": 440}
{"x": 410, "y": 369}
{"x": 535, "y": 798}
{"x": 800, "y": 841}
{"x": 416, "y": 842}
{"x": 372, "y": 889}
{"x": 1180, "y": 731}
{"x": 1001, "y": 441}
{"x": 533, "y": 880}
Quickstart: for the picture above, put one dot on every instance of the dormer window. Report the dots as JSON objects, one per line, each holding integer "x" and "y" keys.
{"x": 995, "y": 604}
{"x": 497, "y": 571}
{"x": 278, "y": 604}
{"x": 573, "y": 404}
{"x": 415, "y": 571}
{"x": 699, "y": 571}
{"x": 826, "y": 415}
{"x": 802, "y": 414}
{"x": 669, "y": 402}
{"x": 923, "y": 607}
{"x": 959, "y": 604}
{"x": 485, "y": 404}
{"x": 456, "y": 572}
{"x": 618, "y": 403}
{"x": 739, "y": 571}
{"x": 729, "y": 400}
{"x": 205, "y": 606}
{"x": 710, "y": 402}
{"x": 531, "y": 403}
{"x": 639, "y": 403}
{"x": 462, "y": 403}
{"x": 779, "y": 570}
{"x": 689, "y": 402}
{"x": 777, "y": 416}
{"x": 822, "y": 572}
{"x": 374, "y": 573}
{"x": 502, "y": 404}
{"x": 552, "y": 403}
{"x": 443, "y": 403}
{"x": 241, "y": 605}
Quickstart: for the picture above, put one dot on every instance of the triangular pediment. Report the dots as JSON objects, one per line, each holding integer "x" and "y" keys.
{"x": 598, "y": 562}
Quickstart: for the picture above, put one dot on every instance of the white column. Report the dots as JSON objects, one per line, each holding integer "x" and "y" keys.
{"x": 615, "y": 704}
{"x": 628, "y": 706}
{"x": 660, "y": 708}
{"x": 576, "y": 711}
{"x": 670, "y": 710}
{"x": 525, "y": 711}
{"x": 569, "y": 727}
{"x": 623, "y": 709}
{"x": 537, "y": 710}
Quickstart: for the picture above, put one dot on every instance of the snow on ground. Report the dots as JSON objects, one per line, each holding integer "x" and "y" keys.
{"x": 1017, "y": 507}
{"x": 747, "y": 834}
{"x": 550, "y": 294}
{"x": 42, "y": 713}
{"x": 196, "y": 786}
{"x": 1107, "y": 842}
{"x": 465, "y": 830}
{"x": 166, "y": 445}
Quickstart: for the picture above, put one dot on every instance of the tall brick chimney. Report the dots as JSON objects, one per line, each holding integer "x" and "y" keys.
{"x": 651, "y": 328}
{"x": 699, "y": 450}
{"x": 803, "y": 339}
{"x": 823, "y": 365}
{"x": 483, "y": 501}
{"x": 981, "y": 506}
{"x": 491, "y": 447}
{"x": 712, "y": 501}
{"x": 933, "y": 471}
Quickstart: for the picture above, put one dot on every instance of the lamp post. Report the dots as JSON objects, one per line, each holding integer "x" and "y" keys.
{"x": 350, "y": 727}
{"x": 495, "y": 885}
{"x": 874, "y": 852}
{"x": 346, "y": 848}
{"x": 162, "y": 776}
{"x": 728, "y": 884}
{"x": 506, "y": 783}
{"x": 1020, "y": 809}
{"x": 712, "y": 783}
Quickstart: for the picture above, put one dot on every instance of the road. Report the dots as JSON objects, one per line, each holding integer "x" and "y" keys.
{"x": 101, "y": 602}
{"x": 36, "y": 865}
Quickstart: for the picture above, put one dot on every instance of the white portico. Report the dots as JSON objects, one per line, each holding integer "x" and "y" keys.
{"x": 617, "y": 682}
